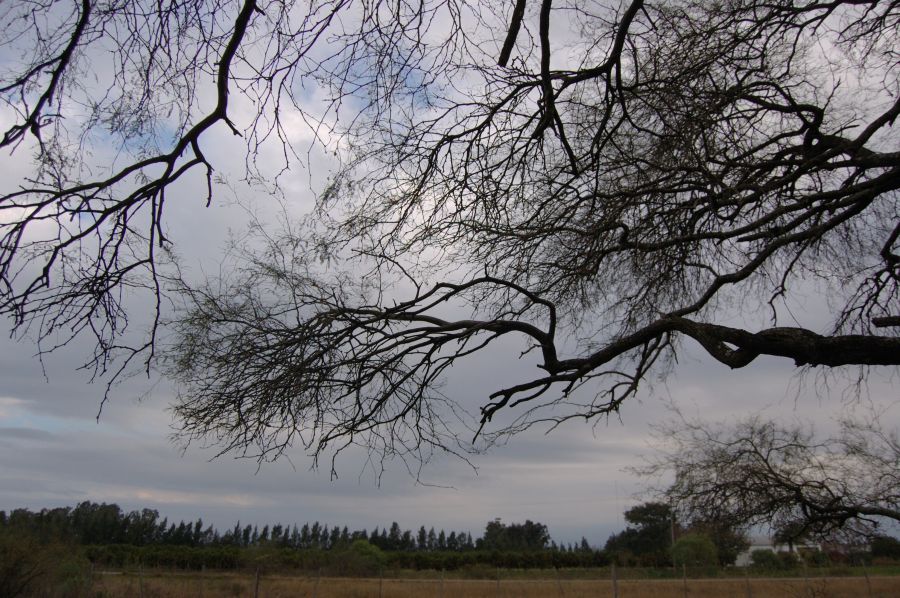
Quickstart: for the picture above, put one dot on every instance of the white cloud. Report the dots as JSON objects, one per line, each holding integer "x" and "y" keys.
{"x": 9, "y": 406}
{"x": 143, "y": 495}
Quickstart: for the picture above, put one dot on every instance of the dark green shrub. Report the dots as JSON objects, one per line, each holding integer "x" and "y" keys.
{"x": 788, "y": 560}
{"x": 815, "y": 558}
{"x": 885, "y": 547}
{"x": 765, "y": 559}
{"x": 29, "y": 567}
{"x": 20, "y": 565}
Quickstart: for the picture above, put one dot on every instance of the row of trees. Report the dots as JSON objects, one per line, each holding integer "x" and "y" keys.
{"x": 91, "y": 523}
{"x": 654, "y": 537}
{"x": 106, "y": 535}
{"x": 360, "y": 556}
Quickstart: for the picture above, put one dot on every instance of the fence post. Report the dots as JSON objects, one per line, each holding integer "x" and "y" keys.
{"x": 868, "y": 581}
{"x": 809, "y": 589}
{"x": 684, "y": 578}
{"x": 141, "y": 579}
{"x": 615, "y": 581}
{"x": 256, "y": 585}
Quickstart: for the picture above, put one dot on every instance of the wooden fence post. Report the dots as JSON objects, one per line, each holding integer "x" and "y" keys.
{"x": 684, "y": 578}
{"x": 868, "y": 581}
{"x": 256, "y": 585}
{"x": 809, "y": 588}
{"x": 615, "y": 581}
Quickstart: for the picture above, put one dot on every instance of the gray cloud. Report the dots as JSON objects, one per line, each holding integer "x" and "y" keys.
{"x": 7, "y": 434}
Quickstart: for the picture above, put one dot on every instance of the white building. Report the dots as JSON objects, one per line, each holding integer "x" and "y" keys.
{"x": 768, "y": 543}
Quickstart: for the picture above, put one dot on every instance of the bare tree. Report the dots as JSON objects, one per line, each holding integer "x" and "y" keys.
{"x": 602, "y": 195}
{"x": 761, "y": 472}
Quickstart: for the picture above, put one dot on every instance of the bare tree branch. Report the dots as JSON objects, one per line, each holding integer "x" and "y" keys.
{"x": 515, "y": 23}
{"x": 664, "y": 170}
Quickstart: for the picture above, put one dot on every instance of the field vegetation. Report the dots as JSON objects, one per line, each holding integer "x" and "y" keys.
{"x": 593, "y": 583}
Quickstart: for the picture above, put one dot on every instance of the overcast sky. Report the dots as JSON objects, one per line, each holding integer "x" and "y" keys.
{"x": 54, "y": 452}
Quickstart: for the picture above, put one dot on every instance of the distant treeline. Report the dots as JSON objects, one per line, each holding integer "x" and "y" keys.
{"x": 114, "y": 537}
{"x": 105, "y": 535}
{"x": 91, "y": 524}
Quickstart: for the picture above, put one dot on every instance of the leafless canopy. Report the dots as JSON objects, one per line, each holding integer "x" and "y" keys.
{"x": 601, "y": 181}
{"x": 759, "y": 472}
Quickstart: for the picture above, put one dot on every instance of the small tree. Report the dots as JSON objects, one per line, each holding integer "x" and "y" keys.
{"x": 729, "y": 541}
{"x": 361, "y": 558}
{"x": 762, "y": 472}
{"x": 649, "y": 537}
{"x": 695, "y": 550}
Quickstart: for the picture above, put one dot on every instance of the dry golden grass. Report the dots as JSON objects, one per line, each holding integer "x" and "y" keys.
{"x": 233, "y": 585}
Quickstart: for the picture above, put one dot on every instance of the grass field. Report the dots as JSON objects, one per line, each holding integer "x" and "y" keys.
{"x": 221, "y": 585}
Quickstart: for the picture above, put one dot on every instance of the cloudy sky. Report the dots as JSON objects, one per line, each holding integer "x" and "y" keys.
{"x": 55, "y": 452}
